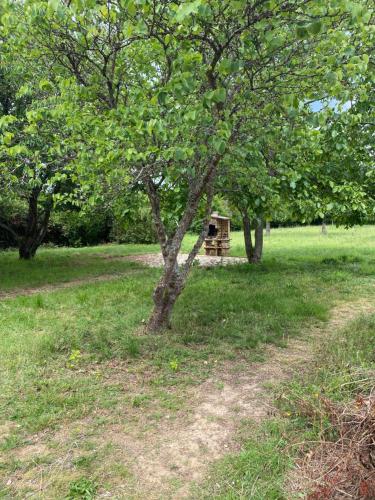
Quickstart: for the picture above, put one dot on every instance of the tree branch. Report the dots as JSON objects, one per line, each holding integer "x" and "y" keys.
{"x": 10, "y": 230}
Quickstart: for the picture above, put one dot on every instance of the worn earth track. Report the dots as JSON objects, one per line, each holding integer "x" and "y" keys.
{"x": 180, "y": 451}
{"x": 156, "y": 259}
{"x": 150, "y": 260}
{"x": 168, "y": 457}
{"x": 66, "y": 284}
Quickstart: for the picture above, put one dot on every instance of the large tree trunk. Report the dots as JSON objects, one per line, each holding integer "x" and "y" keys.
{"x": 258, "y": 246}
{"x": 174, "y": 277}
{"x": 35, "y": 229}
{"x": 27, "y": 248}
{"x": 247, "y": 236}
{"x": 165, "y": 295}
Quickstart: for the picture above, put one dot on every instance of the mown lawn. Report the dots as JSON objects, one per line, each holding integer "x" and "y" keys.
{"x": 61, "y": 349}
{"x": 300, "y": 245}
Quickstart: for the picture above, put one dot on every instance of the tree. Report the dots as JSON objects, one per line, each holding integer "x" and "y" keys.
{"x": 34, "y": 161}
{"x": 162, "y": 90}
{"x": 259, "y": 180}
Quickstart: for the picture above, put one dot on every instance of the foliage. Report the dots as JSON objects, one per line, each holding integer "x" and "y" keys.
{"x": 34, "y": 158}
{"x": 80, "y": 228}
{"x": 132, "y": 220}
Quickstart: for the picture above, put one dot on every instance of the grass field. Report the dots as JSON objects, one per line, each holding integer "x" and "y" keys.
{"x": 65, "y": 353}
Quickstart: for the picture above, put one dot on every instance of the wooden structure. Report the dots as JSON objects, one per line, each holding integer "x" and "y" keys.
{"x": 217, "y": 242}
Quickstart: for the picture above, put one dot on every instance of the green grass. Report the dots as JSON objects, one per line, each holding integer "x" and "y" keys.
{"x": 307, "y": 243}
{"x": 344, "y": 368}
{"x": 286, "y": 246}
{"x": 61, "y": 350}
{"x": 58, "y": 265}
{"x": 257, "y": 472}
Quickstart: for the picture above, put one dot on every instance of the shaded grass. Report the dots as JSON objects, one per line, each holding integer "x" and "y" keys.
{"x": 222, "y": 311}
{"x": 54, "y": 266}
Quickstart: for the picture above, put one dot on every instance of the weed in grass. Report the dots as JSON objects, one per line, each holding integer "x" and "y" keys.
{"x": 39, "y": 302}
{"x": 174, "y": 365}
{"x": 74, "y": 359}
{"x": 85, "y": 461}
{"x": 140, "y": 400}
{"x": 83, "y": 488}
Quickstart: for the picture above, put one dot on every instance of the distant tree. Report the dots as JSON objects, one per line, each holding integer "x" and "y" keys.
{"x": 34, "y": 161}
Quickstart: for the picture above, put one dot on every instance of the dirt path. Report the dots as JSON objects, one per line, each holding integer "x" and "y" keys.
{"x": 167, "y": 457}
{"x": 151, "y": 260}
{"x": 65, "y": 284}
{"x": 180, "y": 451}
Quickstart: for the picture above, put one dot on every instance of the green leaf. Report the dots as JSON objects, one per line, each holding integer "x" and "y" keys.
{"x": 219, "y": 145}
{"x": 45, "y": 85}
{"x": 162, "y": 97}
{"x": 315, "y": 28}
{"x": 7, "y": 120}
{"x": 229, "y": 66}
{"x": 7, "y": 138}
{"x": 219, "y": 95}
{"x": 187, "y": 9}
{"x": 302, "y": 32}
{"x": 141, "y": 28}
{"x": 179, "y": 154}
{"x": 331, "y": 77}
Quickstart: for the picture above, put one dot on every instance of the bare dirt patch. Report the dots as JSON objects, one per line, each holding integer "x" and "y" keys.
{"x": 156, "y": 260}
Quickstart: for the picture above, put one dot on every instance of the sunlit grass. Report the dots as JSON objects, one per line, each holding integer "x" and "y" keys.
{"x": 285, "y": 246}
